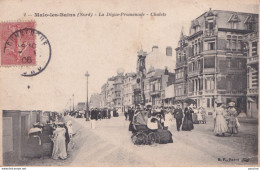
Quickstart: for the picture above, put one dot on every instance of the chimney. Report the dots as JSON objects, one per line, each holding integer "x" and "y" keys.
{"x": 168, "y": 51}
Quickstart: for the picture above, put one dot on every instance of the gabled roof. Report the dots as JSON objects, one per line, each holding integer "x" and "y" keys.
{"x": 234, "y": 18}
{"x": 251, "y": 19}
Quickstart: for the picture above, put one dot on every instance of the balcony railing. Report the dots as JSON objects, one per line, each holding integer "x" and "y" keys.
{"x": 194, "y": 73}
{"x": 156, "y": 92}
{"x": 252, "y": 60}
{"x": 252, "y": 91}
{"x": 209, "y": 70}
{"x": 209, "y": 33}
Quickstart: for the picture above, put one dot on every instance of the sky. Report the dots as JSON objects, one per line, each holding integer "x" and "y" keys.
{"x": 99, "y": 45}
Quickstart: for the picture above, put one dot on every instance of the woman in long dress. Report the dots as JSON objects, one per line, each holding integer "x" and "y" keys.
{"x": 232, "y": 119}
{"x": 59, "y": 147}
{"x": 187, "y": 122}
{"x": 195, "y": 117}
{"x": 221, "y": 124}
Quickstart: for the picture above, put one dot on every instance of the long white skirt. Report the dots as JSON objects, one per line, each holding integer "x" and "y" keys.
{"x": 221, "y": 125}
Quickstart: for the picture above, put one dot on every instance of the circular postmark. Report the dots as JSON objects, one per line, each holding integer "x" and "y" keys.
{"x": 31, "y": 47}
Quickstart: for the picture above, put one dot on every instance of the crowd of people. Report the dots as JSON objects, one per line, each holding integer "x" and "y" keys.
{"x": 165, "y": 116}
{"x": 225, "y": 118}
{"x": 55, "y": 132}
{"x": 102, "y": 113}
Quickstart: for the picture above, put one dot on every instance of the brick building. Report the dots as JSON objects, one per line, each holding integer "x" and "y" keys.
{"x": 216, "y": 64}
{"x": 251, "y": 40}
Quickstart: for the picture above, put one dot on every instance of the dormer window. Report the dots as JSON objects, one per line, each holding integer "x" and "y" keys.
{"x": 251, "y": 23}
{"x": 234, "y": 20}
{"x": 233, "y": 25}
{"x": 211, "y": 24}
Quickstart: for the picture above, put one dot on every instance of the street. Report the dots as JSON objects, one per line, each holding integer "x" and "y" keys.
{"x": 110, "y": 145}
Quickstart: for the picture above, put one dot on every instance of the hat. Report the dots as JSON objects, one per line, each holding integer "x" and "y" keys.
{"x": 231, "y": 104}
{"x": 218, "y": 101}
{"x": 34, "y": 130}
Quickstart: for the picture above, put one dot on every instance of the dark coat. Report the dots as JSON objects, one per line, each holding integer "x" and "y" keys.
{"x": 178, "y": 114}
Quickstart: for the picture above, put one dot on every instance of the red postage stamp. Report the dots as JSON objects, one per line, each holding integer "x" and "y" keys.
{"x": 17, "y": 43}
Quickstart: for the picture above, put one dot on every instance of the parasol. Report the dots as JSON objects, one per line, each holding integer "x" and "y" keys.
{"x": 189, "y": 101}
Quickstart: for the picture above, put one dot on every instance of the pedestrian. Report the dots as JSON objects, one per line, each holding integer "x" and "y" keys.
{"x": 126, "y": 113}
{"x": 203, "y": 114}
{"x": 168, "y": 119}
{"x": 131, "y": 114}
{"x": 93, "y": 118}
{"x": 59, "y": 144}
{"x": 232, "y": 119}
{"x": 178, "y": 115}
{"x": 199, "y": 116}
{"x": 221, "y": 124}
{"x": 187, "y": 122}
{"x": 195, "y": 115}
{"x": 67, "y": 136}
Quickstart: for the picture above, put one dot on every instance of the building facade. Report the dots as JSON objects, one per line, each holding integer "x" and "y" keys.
{"x": 251, "y": 41}
{"x": 181, "y": 73}
{"x": 128, "y": 90}
{"x": 95, "y": 101}
{"x": 215, "y": 58}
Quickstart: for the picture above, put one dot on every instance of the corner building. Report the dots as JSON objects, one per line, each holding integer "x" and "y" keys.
{"x": 216, "y": 58}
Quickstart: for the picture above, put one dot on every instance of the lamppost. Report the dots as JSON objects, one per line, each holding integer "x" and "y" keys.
{"x": 87, "y": 113}
{"x": 73, "y": 101}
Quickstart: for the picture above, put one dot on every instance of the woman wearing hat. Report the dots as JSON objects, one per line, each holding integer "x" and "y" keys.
{"x": 187, "y": 122}
{"x": 232, "y": 119}
{"x": 220, "y": 124}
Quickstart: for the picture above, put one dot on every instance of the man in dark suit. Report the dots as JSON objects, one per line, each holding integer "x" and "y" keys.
{"x": 178, "y": 115}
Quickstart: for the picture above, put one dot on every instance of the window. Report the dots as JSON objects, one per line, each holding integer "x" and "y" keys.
{"x": 211, "y": 25}
{"x": 251, "y": 26}
{"x": 228, "y": 63}
{"x": 233, "y": 45}
{"x": 192, "y": 50}
{"x": 212, "y": 102}
{"x": 254, "y": 48}
{"x": 234, "y": 25}
{"x": 209, "y": 84}
{"x": 195, "y": 48}
{"x": 209, "y": 62}
{"x": 199, "y": 47}
{"x": 208, "y": 102}
{"x": 212, "y": 84}
{"x": 211, "y": 46}
{"x": 206, "y": 87}
{"x": 229, "y": 84}
{"x": 234, "y": 42}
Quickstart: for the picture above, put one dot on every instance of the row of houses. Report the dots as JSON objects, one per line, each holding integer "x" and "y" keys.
{"x": 217, "y": 60}
{"x": 123, "y": 90}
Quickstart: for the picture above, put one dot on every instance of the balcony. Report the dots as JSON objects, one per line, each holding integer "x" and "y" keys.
{"x": 209, "y": 70}
{"x": 252, "y": 60}
{"x": 210, "y": 33}
{"x": 231, "y": 92}
{"x": 181, "y": 64}
{"x": 194, "y": 73}
{"x": 210, "y": 91}
{"x": 195, "y": 93}
{"x": 252, "y": 91}
{"x": 156, "y": 92}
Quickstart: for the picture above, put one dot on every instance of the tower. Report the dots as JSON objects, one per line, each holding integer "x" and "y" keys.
{"x": 141, "y": 74}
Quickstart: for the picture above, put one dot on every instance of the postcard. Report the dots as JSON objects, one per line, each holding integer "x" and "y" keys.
{"x": 148, "y": 83}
